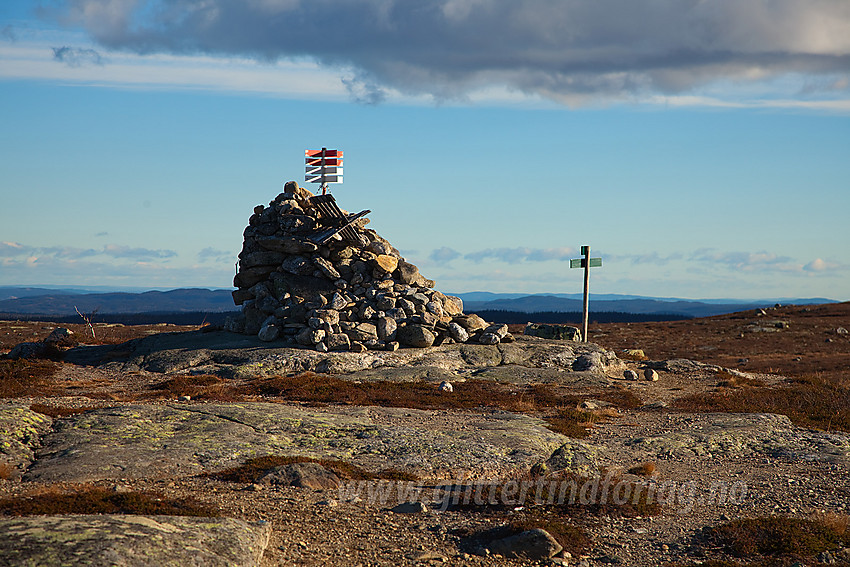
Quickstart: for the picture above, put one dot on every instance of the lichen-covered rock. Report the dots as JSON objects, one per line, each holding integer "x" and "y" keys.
{"x": 131, "y": 541}
{"x": 587, "y": 361}
{"x": 386, "y": 327}
{"x": 577, "y": 457}
{"x": 415, "y": 336}
{"x": 240, "y": 356}
{"x": 21, "y": 430}
{"x": 471, "y": 322}
{"x": 181, "y": 440}
{"x": 741, "y": 434}
{"x": 458, "y": 333}
{"x": 557, "y": 332}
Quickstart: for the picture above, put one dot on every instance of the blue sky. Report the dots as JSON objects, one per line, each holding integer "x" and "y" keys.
{"x": 701, "y": 149}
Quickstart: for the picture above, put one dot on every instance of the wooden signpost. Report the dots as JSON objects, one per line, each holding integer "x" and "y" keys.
{"x": 323, "y": 166}
{"x": 587, "y": 262}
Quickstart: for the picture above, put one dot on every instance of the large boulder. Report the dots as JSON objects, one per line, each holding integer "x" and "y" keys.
{"x": 131, "y": 541}
{"x": 415, "y": 336}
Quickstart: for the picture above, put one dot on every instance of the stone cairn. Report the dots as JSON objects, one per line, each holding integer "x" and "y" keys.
{"x": 341, "y": 295}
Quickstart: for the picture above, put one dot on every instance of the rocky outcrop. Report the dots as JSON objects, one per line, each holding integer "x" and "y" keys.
{"x": 558, "y": 332}
{"x": 178, "y": 440}
{"x": 346, "y": 293}
{"x": 20, "y": 435}
{"x": 59, "y": 341}
{"x": 131, "y": 541}
{"x": 743, "y": 434}
{"x": 232, "y": 356}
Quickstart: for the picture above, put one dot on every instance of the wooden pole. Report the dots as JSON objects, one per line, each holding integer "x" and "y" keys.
{"x": 585, "y": 250}
{"x": 324, "y": 185}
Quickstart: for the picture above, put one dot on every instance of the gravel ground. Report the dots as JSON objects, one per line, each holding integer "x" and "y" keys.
{"x": 331, "y": 527}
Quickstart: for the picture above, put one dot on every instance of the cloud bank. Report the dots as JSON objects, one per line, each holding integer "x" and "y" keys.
{"x": 517, "y": 255}
{"x": 760, "y": 262}
{"x": 115, "y": 251}
{"x": 571, "y": 51}
{"x": 22, "y": 264}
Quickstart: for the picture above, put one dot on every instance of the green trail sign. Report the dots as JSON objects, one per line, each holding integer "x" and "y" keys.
{"x": 587, "y": 262}
{"x": 579, "y": 263}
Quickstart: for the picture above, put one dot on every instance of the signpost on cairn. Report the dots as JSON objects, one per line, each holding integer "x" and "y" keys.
{"x": 587, "y": 262}
{"x": 323, "y": 166}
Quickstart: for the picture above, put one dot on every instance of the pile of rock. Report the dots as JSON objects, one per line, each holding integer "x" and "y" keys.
{"x": 339, "y": 295}
{"x": 59, "y": 341}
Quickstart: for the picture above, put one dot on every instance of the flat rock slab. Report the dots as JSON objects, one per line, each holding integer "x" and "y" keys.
{"x": 130, "y": 541}
{"x": 185, "y": 439}
{"x": 20, "y": 434}
{"x": 741, "y": 434}
{"x": 237, "y": 356}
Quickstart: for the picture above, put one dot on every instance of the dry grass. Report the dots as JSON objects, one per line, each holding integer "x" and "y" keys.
{"x": 54, "y": 411}
{"x": 773, "y": 536}
{"x": 87, "y": 499}
{"x": 643, "y": 469}
{"x": 198, "y": 387}
{"x": 814, "y": 400}
{"x": 840, "y": 523}
{"x": 19, "y": 378}
{"x": 254, "y": 469}
{"x": 572, "y": 422}
{"x": 312, "y": 388}
{"x": 723, "y": 563}
{"x": 729, "y": 380}
{"x": 15, "y": 332}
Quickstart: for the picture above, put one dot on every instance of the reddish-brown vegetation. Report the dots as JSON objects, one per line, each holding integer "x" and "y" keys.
{"x": 87, "y": 499}
{"x": 20, "y": 378}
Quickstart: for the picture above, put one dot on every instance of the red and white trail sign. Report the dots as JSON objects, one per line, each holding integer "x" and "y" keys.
{"x": 323, "y": 166}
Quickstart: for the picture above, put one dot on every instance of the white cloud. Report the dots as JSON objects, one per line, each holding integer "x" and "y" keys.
{"x": 14, "y": 249}
{"x": 650, "y": 258}
{"x": 115, "y": 251}
{"x": 136, "y": 253}
{"x": 112, "y": 264}
{"x": 33, "y": 59}
{"x": 570, "y": 51}
{"x": 443, "y": 255}
{"x": 51, "y": 270}
{"x": 819, "y": 265}
{"x": 522, "y": 254}
{"x": 746, "y": 261}
{"x": 210, "y": 254}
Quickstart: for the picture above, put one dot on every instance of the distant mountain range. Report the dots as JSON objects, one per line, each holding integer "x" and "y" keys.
{"x": 37, "y": 301}
{"x": 66, "y": 301}
{"x": 605, "y": 303}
